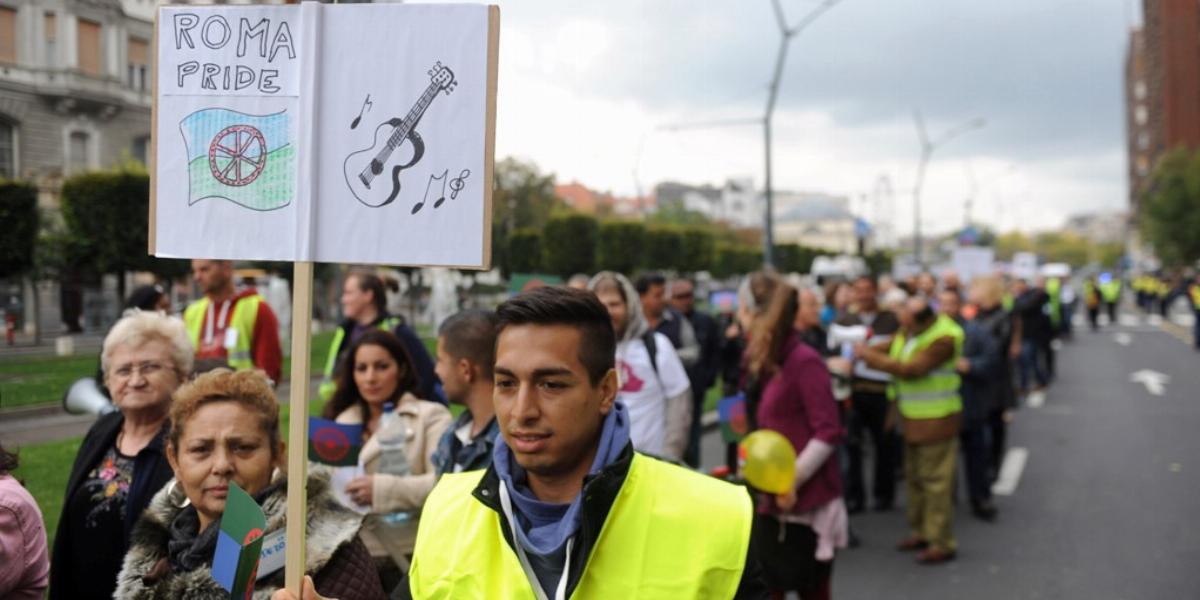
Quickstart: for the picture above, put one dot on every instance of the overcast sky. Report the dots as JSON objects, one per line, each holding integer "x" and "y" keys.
{"x": 583, "y": 85}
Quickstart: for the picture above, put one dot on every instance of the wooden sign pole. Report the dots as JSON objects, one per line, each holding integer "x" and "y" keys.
{"x": 297, "y": 451}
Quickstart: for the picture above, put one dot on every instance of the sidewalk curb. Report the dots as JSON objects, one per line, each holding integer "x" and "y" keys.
{"x": 31, "y": 412}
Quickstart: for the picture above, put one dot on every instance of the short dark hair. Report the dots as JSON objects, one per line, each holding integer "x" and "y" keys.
{"x": 471, "y": 334}
{"x": 647, "y": 281}
{"x": 565, "y": 306}
{"x": 8, "y": 461}
{"x": 867, "y": 278}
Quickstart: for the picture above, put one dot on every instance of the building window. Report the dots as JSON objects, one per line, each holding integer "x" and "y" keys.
{"x": 51, "y": 40}
{"x": 8, "y": 35}
{"x": 1143, "y": 140}
{"x": 1141, "y": 115}
{"x": 1143, "y": 166}
{"x": 90, "y": 59}
{"x": 141, "y": 149}
{"x": 1139, "y": 90}
{"x": 79, "y": 147}
{"x": 8, "y": 151}
{"x": 138, "y": 64}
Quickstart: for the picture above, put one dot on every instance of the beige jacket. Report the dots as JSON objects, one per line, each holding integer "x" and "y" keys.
{"x": 423, "y": 423}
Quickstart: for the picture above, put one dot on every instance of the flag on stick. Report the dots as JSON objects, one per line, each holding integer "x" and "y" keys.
{"x": 333, "y": 443}
{"x": 239, "y": 543}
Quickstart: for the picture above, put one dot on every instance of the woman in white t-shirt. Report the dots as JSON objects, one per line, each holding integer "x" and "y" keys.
{"x": 655, "y": 391}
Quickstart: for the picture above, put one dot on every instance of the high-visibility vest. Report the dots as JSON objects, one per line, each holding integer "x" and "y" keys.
{"x": 936, "y": 394}
{"x": 671, "y": 533}
{"x": 245, "y": 314}
{"x": 1090, "y": 295}
{"x": 1194, "y": 291}
{"x": 328, "y": 385}
{"x": 1111, "y": 290}
{"x": 1054, "y": 290}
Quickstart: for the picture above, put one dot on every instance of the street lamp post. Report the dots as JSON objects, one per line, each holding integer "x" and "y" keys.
{"x": 786, "y": 35}
{"x": 927, "y": 149}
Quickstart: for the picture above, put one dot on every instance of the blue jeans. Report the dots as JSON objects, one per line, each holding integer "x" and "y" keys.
{"x": 1030, "y": 366}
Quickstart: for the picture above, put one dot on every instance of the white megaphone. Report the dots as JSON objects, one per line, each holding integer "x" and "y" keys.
{"x": 85, "y": 398}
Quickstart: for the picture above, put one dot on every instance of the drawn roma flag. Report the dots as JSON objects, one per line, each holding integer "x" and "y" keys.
{"x": 245, "y": 159}
{"x": 332, "y": 443}
{"x": 239, "y": 543}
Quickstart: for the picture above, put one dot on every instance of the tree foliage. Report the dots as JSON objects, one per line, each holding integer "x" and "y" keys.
{"x": 569, "y": 244}
{"x": 523, "y": 198}
{"x": 735, "y": 259}
{"x": 525, "y": 251}
{"x": 1170, "y": 215}
{"x": 619, "y": 246}
{"x": 19, "y": 216}
{"x": 106, "y": 215}
{"x": 696, "y": 249}
{"x": 662, "y": 249}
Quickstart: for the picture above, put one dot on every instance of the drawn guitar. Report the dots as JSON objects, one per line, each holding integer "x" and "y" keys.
{"x": 363, "y": 168}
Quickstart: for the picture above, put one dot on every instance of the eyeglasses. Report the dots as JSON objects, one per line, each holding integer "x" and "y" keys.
{"x": 146, "y": 368}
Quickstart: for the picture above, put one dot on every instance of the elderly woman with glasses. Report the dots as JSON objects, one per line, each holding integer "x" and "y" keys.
{"x": 225, "y": 431}
{"x": 121, "y": 462}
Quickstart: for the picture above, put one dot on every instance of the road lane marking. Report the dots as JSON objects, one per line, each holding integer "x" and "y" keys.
{"x": 1155, "y": 382}
{"x": 1129, "y": 320}
{"x": 1123, "y": 338}
{"x": 1010, "y": 471}
{"x": 1035, "y": 399}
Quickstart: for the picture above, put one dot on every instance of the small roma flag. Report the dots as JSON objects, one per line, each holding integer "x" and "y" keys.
{"x": 239, "y": 543}
{"x": 333, "y": 443}
{"x": 731, "y": 413}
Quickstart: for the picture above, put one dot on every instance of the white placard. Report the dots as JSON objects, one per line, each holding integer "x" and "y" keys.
{"x": 332, "y": 133}
{"x": 972, "y": 262}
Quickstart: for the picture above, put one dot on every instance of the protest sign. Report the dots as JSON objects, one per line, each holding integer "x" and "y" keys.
{"x": 239, "y": 543}
{"x": 359, "y": 133}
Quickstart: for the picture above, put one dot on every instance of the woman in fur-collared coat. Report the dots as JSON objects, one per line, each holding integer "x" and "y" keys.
{"x": 225, "y": 428}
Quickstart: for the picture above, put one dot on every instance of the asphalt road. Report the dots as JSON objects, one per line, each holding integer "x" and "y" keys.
{"x": 1106, "y": 505}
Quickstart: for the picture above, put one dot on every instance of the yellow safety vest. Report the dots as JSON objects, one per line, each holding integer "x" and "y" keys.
{"x": 245, "y": 314}
{"x": 671, "y": 533}
{"x": 1194, "y": 290}
{"x": 935, "y": 395}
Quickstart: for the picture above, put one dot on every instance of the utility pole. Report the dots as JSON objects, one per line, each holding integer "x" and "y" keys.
{"x": 927, "y": 149}
{"x": 786, "y": 35}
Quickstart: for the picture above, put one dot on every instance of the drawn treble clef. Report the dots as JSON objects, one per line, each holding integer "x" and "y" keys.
{"x": 457, "y": 184}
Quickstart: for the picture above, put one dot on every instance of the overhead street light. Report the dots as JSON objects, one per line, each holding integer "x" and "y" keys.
{"x": 927, "y": 149}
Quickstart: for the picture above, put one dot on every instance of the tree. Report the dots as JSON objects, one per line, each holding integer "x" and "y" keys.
{"x": 523, "y": 198}
{"x": 106, "y": 215}
{"x": 525, "y": 251}
{"x": 19, "y": 216}
{"x": 879, "y": 261}
{"x": 569, "y": 244}
{"x": 1170, "y": 215}
{"x": 676, "y": 214}
{"x": 619, "y": 246}
{"x": 662, "y": 248}
{"x": 1011, "y": 243}
{"x": 735, "y": 260}
{"x": 696, "y": 250}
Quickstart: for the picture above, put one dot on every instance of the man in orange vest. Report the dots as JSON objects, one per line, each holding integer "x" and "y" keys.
{"x": 237, "y": 327}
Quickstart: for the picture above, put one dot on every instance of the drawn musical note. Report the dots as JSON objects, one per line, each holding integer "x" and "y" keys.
{"x": 366, "y": 104}
{"x": 457, "y": 184}
{"x": 441, "y": 195}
